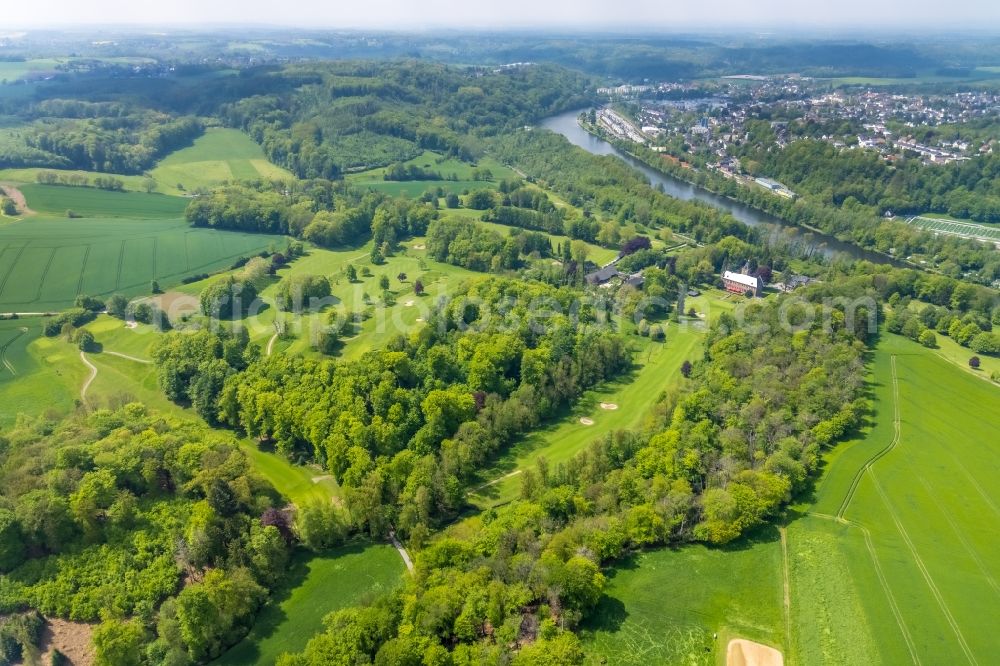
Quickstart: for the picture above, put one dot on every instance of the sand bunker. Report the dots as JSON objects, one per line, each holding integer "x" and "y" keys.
{"x": 742, "y": 652}
{"x": 608, "y": 405}
{"x": 586, "y": 421}
{"x": 131, "y": 324}
{"x": 409, "y": 303}
{"x": 419, "y": 246}
{"x": 419, "y": 319}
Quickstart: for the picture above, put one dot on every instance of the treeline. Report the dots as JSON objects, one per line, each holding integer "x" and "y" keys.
{"x": 719, "y": 458}
{"x": 607, "y": 185}
{"x": 328, "y": 213}
{"x": 404, "y": 429}
{"x": 370, "y": 114}
{"x": 470, "y": 245}
{"x": 126, "y": 144}
{"x": 155, "y": 528}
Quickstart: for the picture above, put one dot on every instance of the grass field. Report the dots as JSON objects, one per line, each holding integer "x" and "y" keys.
{"x": 216, "y": 156}
{"x": 30, "y": 175}
{"x": 447, "y": 167}
{"x": 961, "y": 228}
{"x": 663, "y": 606}
{"x": 317, "y": 585}
{"x": 657, "y": 368}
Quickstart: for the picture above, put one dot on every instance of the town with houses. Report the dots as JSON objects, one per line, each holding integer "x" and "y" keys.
{"x": 709, "y": 118}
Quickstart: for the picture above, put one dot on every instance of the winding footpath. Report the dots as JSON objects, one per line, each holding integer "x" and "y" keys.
{"x": 90, "y": 378}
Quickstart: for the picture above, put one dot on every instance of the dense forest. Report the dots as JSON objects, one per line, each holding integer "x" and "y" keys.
{"x": 362, "y": 115}
{"x": 154, "y": 527}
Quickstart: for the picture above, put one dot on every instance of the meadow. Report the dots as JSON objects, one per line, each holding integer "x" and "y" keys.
{"x": 461, "y": 172}
{"x": 316, "y": 585}
{"x": 93, "y": 202}
{"x": 217, "y": 156}
{"x": 665, "y": 606}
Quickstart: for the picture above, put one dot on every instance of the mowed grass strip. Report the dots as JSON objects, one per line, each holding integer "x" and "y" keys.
{"x": 92, "y": 202}
{"x": 317, "y": 585}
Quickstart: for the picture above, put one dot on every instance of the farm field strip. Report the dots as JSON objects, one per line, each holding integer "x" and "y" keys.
{"x": 957, "y": 228}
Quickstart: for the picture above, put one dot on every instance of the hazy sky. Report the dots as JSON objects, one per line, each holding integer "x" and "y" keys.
{"x": 889, "y": 15}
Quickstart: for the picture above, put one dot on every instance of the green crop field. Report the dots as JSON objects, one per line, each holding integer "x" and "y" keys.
{"x": 960, "y": 228}
{"x": 30, "y": 176}
{"x": 317, "y": 585}
{"x": 663, "y": 606}
{"x": 46, "y": 262}
{"x": 218, "y": 155}
{"x": 92, "y": 202}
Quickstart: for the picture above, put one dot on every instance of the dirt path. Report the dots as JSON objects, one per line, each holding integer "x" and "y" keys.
{"x": 270, "y": 344}
{"x": 402, "y": 551}
{"x": 17, "y": 197}
{"x": 131, "y": 358}
{"x": 497, "y": 480}
{"x": 93, "y": 374}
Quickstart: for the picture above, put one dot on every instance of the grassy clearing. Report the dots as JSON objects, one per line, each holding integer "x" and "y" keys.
{"x": 30, "y": 176}
{"x": 317, "y": 585}
{"x": 45, "y": 262}
{"x": 92, "y": 202}
{"x": 218, "y": 155}
{"x": 296, "y": 482}
{"x": 663, "y": 606}
{"x": 461, "y": 172}
{"x": 952, "y": 227}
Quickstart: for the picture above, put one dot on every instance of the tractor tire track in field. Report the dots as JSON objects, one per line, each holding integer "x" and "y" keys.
{"x": 5, "y": 346}
{"x": 121, "y": 260}
{"x": 975, "y": 484}
{"x": 3, "y": 283}
{"x": 155, "y": 240}
{"x": 83, "y": 270}
{"x": 961, "y": 537}
{"x": 883, "y": 581}
{"x": 90, "y": 378}
{"x": 882, "y": 452}
{"x": 923, "y": 569}
{"x": 45, "y": 272}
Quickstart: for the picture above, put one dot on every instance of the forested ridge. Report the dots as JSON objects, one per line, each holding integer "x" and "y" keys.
{"x": 363, "y": 115}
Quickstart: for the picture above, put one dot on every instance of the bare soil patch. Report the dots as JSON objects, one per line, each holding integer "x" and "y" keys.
{"x": 17, "y": 197}
{"x": 742, "y": 652}
{"x": 70, "y": 638}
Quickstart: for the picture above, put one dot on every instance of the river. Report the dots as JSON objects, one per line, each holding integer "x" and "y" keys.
{"x": 567, "y": 125}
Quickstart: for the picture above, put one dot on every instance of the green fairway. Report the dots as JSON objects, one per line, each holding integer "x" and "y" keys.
{"x": 46, "y": 262}
{"x": 657, "y": 368}
{"x": 317, "y": 585}
{"x": 297, "y": 483}
{"x": 217, "y": 156}
{"x": 38, "y": 375}
{"x": 663, "y": 606}
{"x": 92, "y": 202}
